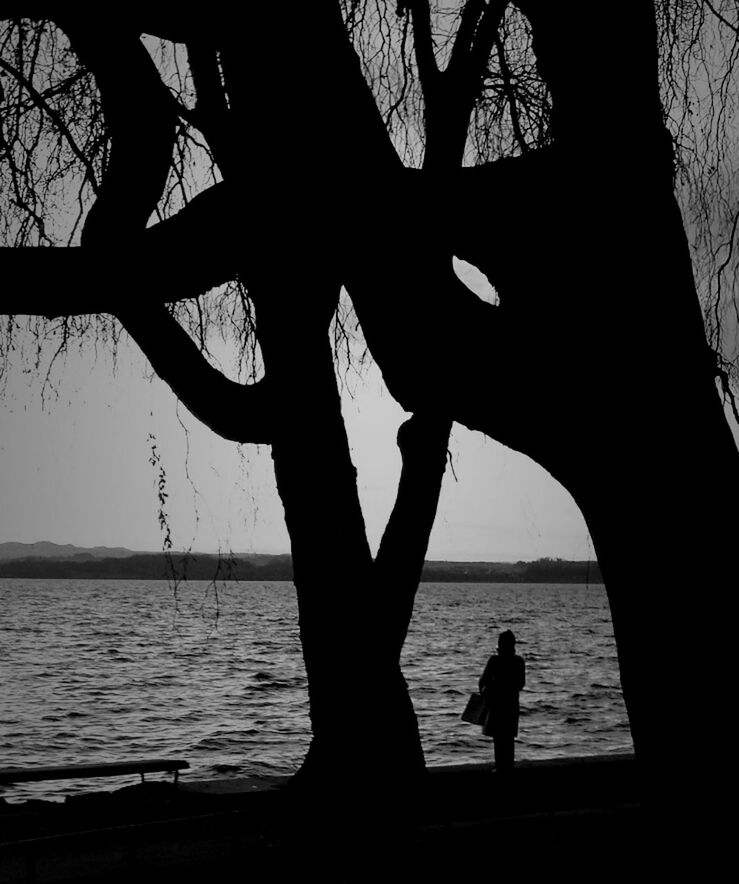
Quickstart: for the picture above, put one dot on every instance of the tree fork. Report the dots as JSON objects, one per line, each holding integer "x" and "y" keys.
{"x": 363, "y": 722}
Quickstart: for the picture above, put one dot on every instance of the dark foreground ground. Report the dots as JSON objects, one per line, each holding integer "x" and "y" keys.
{"x": 579, "y": 819}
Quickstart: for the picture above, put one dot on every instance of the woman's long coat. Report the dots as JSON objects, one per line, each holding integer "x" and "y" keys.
{"x": 500, "y": 683}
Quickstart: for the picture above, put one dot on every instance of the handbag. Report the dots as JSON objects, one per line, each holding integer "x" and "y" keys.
{"x": 475, "y": 710}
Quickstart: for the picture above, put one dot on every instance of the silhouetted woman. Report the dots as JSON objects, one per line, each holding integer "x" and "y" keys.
{"x": 500, "y": 683}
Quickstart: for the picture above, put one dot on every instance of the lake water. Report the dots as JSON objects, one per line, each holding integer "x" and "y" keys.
{"x": 122, "y": 669}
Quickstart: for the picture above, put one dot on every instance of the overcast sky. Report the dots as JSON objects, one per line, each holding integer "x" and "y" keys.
{"x": 75, "y": 469}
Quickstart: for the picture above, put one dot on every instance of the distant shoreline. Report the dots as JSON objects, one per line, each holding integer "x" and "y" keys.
{"x": 246, "y": 568}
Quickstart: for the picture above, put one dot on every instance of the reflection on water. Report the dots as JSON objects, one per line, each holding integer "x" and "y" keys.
{"x": 112, "y": 670}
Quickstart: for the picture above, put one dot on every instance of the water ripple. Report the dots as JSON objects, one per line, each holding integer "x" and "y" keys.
{"x": 95, "y": 671}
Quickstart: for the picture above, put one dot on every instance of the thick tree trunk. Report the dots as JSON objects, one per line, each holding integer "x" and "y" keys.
{"x": 365, "y": 733}
{"x": 599, "y": 370}
{"x": 625, "y": 413}
{"x": 612, "y": 386}
{"x": 364, "y": 726}
{"x": 658, "y": 492}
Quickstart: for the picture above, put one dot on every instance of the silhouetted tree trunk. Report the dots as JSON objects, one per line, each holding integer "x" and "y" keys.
{"x": 353, "y": 616}
{"x": 632, "y": 428}
{"x": 582, "y": 369}
{"x": 364, "y": 726}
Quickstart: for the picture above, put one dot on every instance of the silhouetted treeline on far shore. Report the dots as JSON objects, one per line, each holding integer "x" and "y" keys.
{"x": 200, "y": 566}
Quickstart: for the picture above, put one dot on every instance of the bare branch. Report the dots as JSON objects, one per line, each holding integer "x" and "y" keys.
{"x": 423, "y": 44}
{"x": 242, "y": 413}
{"x": 211, "y": 113}
{"x": 510, "y": 93}
{"x": 465, "y": 37}
{"x": 484, "y": 40}
{"x": 40, "y": 101}
{"x": 141, "y": 118}
{"x": 208, "y": 82}
{"x": 475, "y": 40}
{"x": 721, "y": 17}
{"x": 423, "y": 441}
{"x": 181, "y": 257}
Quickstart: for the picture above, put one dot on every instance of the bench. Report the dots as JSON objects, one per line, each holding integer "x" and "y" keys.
{"x": 83, "y": 771}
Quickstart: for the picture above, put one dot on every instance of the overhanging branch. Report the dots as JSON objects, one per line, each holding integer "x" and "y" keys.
{"x": 182, "y": 257}
{"x": 242, "y": 413}
{"x": 423, "y": 44}
{"x": 141, "y": 119}
{"x": 40, "y": 101}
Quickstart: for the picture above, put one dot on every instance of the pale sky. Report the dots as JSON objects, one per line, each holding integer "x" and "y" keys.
{"x": 76, "y": 469}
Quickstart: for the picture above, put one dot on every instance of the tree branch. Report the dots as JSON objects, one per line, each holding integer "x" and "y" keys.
{"x": 437, "y": 344}
{"x": 423, "y": 44}
{"x": 182, "y": 257}
{"x": 423, "y": 441}
{"x": 510, "y": 94}
{"x": 511, "y": 184}
{"x": 451, "y": 95}
{"x": 484, "y": 39}
{"x": 141, "y": 119}
{"x": 40, "y": 102}
{"x": 475, "y": 39}
{"x": 211, "y": 98}
{"x": 140, "y": 116}
{"x": 211, "y": 113}
{"x": 242, "y": 413}
{"x": 463, "y": 41}
{"x": 721, "y": 17}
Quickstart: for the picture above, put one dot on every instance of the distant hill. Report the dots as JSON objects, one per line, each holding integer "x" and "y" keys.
{"x": 46, "y": 550}
{"x": 49, "y": 560}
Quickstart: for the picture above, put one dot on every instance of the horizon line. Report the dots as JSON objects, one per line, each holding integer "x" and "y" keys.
{"x": 231, "y": 552}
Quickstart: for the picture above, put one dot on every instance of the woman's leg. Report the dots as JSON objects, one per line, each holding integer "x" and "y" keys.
{"x": 503, "y": 748}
